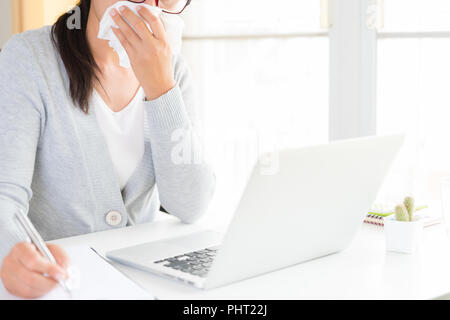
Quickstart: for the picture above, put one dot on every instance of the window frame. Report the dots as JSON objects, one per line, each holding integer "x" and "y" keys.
{"x": 352, "y": 86}
{"x": 353, "y": 69}
{"x": 368, "y": 74}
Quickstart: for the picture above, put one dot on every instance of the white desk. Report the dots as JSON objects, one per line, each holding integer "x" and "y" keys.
{"x": 363, "y": 271}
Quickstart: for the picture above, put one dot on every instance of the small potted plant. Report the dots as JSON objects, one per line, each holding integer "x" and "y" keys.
{"x": 403, "y": 230}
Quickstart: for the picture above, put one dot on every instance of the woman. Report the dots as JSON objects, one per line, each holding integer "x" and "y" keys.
{"x": 86, "y": 145}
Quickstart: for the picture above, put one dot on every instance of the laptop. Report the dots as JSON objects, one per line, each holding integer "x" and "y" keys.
{"x": 311, "y": 207}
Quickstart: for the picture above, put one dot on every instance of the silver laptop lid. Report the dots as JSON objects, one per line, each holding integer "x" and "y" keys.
{"x": 311, "y": 206}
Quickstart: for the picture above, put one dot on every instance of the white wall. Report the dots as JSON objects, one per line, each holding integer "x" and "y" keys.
{"x": 5, "y": 21}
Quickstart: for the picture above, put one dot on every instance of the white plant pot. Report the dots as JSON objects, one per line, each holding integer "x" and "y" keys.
{"x": 403, "y": 236}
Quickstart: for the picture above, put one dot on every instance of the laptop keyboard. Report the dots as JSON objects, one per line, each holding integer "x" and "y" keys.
{"x": 196, "y": 263}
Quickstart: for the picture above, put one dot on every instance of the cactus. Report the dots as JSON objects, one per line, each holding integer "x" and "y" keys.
{"x": 401, "y": 214}
{"x": 409, "y": 205}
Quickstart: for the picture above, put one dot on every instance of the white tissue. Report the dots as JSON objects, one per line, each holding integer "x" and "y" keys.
{"x": 173, "y": 24}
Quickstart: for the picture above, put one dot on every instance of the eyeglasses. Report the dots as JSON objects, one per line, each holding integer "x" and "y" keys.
{"x": 169, "y": 6}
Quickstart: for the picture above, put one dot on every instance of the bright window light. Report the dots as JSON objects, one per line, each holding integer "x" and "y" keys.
{"x": 416, "y": 15}
{"x": 262, "y": 76}
{"x": 413, "y": 97}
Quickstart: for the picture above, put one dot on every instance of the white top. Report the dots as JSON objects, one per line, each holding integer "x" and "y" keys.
{"x": 123, "y": 132}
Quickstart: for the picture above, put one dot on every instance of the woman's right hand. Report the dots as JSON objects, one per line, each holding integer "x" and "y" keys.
{"x": 22, "y": 271}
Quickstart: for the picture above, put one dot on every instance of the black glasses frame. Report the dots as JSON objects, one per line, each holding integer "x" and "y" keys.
{"x": 188, "y": 2}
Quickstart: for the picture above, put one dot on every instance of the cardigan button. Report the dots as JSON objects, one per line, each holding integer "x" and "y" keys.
{"x": 113, "y": 218}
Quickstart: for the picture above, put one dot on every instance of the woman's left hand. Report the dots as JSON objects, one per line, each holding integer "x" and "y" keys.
{"x": 149, "y": 52}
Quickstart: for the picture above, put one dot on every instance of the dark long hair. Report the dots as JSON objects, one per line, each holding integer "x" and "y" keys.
{"x": 76, "y": 54}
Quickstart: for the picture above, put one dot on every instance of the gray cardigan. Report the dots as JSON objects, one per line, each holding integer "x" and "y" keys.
{"x": 55, "y": 164}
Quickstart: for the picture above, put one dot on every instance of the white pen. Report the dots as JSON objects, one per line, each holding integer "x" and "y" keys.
{"x": 37, "y": 240}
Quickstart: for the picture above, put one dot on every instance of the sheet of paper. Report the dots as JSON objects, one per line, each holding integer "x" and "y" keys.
{"x": 98, "y": 280}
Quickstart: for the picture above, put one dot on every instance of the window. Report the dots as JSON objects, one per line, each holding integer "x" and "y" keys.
{"x": 413, "y": 95}
{"x": 262, "y": 73}
{"x": 270, "y": 76}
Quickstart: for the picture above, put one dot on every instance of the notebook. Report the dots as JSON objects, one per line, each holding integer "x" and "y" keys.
{"x": 98, "y": 280}
{"x": 379, "y": 212}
